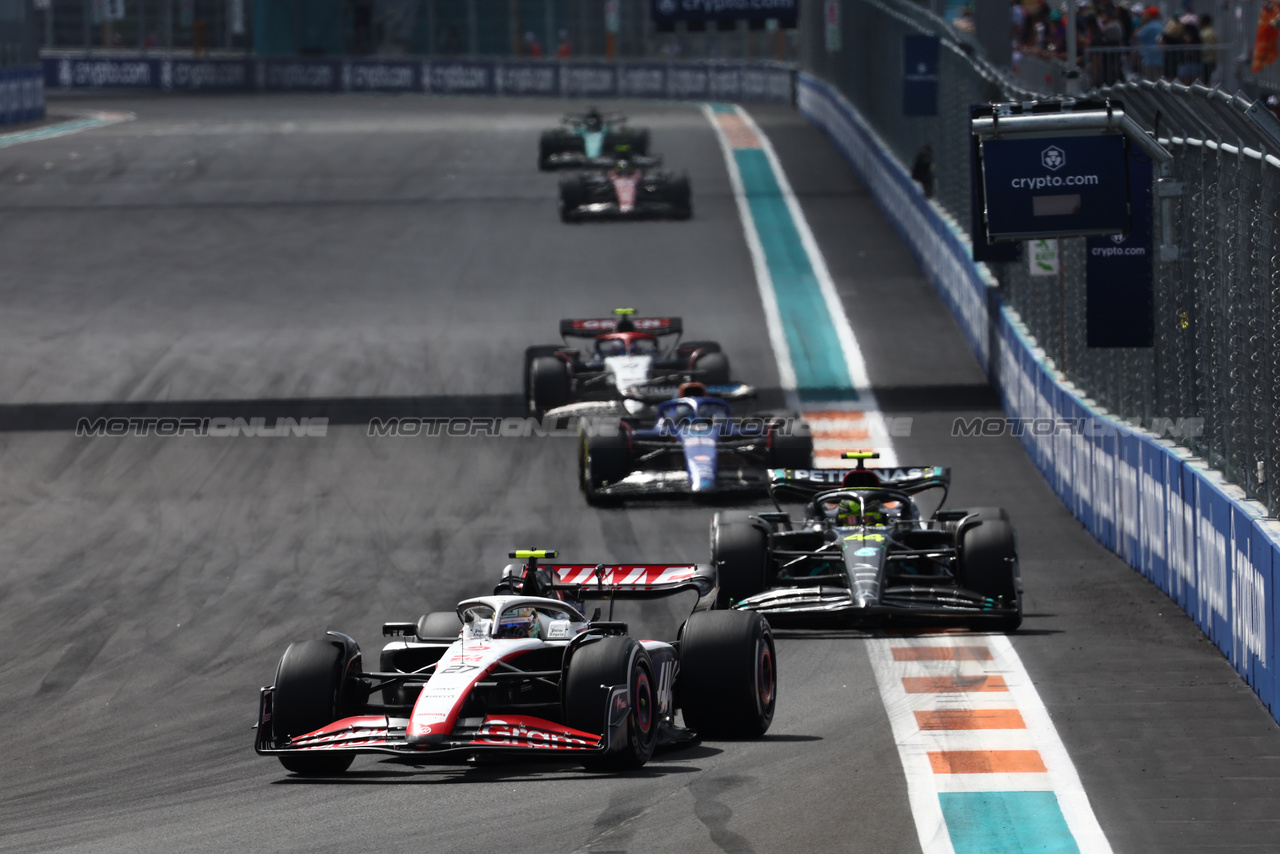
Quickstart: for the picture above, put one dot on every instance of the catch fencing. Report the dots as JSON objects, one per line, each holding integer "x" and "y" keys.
{"x": 1202, "y": 529}
{"x": 1213, "y": 366}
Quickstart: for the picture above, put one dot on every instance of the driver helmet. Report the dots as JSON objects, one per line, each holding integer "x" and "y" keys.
{"x": 692, "y": 389}
{"x": 612, "y": 347}
{"x": 849, "y": 513}
{"x": 593, "y": 120}
{"x": 519, "y": 623}
{"x": 623, "y": 166}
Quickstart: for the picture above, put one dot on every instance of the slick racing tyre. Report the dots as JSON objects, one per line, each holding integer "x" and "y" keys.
{"x": 728, "y": 683}
{"x": 981, "y": 513}
{"x": 712, "y": 368}
{"x": 552, "y": 143}
{"x": 989, "y": 566}
{"x": 681, "y": 197}
{"x": 530, "y": 354}
{"x": 790, "y": 443}
{"x": 740, "y": 553}
{"x": 306, "y": 697}
{"x": 603, "y": 460}
{"x": 689, "y": 349}
{"x": 573, "y": 194}
{"x": 595, "y": 668}
{"x": 549, "y": 384}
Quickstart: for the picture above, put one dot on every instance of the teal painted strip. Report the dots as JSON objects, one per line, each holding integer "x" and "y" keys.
{"x": 50, "y": 131}
{"x": 1006, "y": 823}
{"x": 816, "y": 355}
{"x": 723, "y": 108}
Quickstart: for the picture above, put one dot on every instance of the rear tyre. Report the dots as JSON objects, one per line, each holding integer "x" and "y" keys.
{"x": 688, "y": 348}
{"x": 307, "y": 688}
{"x": 989, "y": 566}
{"x": 790, "y": 443}
{"x": 530, "y": 354}
{"x": 573, "y": 194}
{"x": 739, "y": 551}
{"x": 549, "y": 384}
{"x": 594, "y": 669}
{"x": 728, "y": 682}
{"x": 603, "y": 460}
{"x": 681, "y": 195}
{"x": 713, "y": 368}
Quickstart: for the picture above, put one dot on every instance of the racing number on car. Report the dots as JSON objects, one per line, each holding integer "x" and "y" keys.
{"x": 869, "y": 537}
{"x": 460, "y": 668}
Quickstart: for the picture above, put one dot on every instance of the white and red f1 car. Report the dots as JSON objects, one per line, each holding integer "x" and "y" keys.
{"x": 524, "y": 671}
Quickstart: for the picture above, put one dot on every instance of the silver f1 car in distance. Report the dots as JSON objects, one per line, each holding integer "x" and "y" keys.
{"x": 524, "y": 672}
{"x": 862, "y": 551}
{"x": 618, "y": 353}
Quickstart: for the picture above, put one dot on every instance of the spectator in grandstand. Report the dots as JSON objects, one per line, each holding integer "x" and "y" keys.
{"x": 1209, "y": 56}
{"x": 564, "y": 49}
{"x": 1147, "y": 37}
{"x": 532, "y": 46}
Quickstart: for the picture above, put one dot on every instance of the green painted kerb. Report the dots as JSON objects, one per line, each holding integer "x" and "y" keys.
{"x": 1006, "y": 823}
{"x": 816, "y": 355}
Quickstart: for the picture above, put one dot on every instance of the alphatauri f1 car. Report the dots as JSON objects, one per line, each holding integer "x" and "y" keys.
{"x": 525, "y": 672}
{"x": 689, "y": 444}
{"x": 619, "y": 352}
{"x": 590, "y": 138}
{"x": 862, "y": 552}
{"x": 628, "y": 189}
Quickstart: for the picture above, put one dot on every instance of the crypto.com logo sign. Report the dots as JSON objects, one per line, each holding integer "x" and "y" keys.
{"x": 1053, "y": 158}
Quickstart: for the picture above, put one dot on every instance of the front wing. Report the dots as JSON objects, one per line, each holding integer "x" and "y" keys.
{"x": 924, "y": 603}
{"x": 647, "y": 209}
{"x": 497, "y": 733}
{"x": 640, "y": 484}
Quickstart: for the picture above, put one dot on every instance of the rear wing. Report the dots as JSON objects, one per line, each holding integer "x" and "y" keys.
{"x": 629, "y": 581}
{"x": 803, "y": 484}
{"x": 611, "y": 581}
{"x": 590, "y": 327}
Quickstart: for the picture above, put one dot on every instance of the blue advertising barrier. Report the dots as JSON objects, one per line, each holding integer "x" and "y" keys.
{"x": 727, "y": 81}
{"x": 1167, "y": 516}
{"x": 21, "y": 95}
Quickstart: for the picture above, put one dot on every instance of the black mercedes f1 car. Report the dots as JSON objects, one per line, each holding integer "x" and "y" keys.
{"x": 862, "y": 551}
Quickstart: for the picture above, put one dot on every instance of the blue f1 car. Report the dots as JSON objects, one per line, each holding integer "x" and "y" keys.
{"x": 687, "y": 444}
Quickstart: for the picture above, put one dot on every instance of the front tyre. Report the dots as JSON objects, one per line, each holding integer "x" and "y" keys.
{"x": 549, "y": 384}
{"x": 603, "y": 460}
{"x": 989, "y": 566}
{"x": 594, "y": 670}
{"x": 739, "y": 551}
{"x": 307, "y": 696}
{"x": 728, "y": 685}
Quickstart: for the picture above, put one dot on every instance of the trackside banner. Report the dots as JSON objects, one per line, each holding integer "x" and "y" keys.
{"x": 1162, "y": 513}
{"x": 730, "y": 81}
{"x": 21, "y": 95}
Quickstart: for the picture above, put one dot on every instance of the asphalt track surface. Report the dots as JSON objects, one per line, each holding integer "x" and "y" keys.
{"x": 365, "y": 255}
